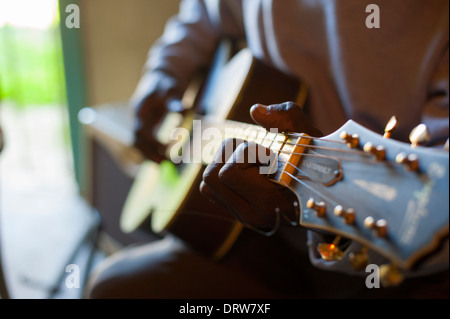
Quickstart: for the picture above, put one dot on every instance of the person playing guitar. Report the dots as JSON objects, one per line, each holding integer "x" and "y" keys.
{"x": 354, "y": 69}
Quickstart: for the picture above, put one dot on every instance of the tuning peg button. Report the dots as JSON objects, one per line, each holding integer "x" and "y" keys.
{"x": 410, "y": 161}
{"x": 379, "y": 226}
{"x": 390, "y": 126}
{"x": 419, "y": 135}
{"x": 379, "y": 151}
{"x": 348, "y": 215}
{"x": 351, "y": 140}
{"x": 390, "y": 275}
{"x": 319, "y": 207}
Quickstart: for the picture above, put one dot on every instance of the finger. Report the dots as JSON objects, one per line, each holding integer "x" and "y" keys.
{"x": 148, "y": 149}
{"x": 244, "y": 166}
{"x": 285, "y": 117}
{"x": 210, "y": 185}
{"x": 266, "y": 198}
{"x": 145, "y": 140}
{"x": 204, "y": 189}
{"x": 216, "y": 190}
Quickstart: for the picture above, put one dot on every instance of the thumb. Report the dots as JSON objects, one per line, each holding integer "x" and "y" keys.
{"x": 286, "y": 117}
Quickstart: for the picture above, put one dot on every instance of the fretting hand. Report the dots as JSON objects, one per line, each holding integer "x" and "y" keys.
{"x": 236, "y": 183}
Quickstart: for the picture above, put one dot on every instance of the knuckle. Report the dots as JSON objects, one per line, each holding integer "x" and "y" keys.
{"x": 290, "y": 105}
{"x": 291, "y": 108}
{"x": 226, "y": 173}
{"x": 203, "y": 188}
{"x": 210, "y": 175}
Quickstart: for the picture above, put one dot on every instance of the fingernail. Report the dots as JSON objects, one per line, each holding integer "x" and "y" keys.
{"x": 259, "y": 109}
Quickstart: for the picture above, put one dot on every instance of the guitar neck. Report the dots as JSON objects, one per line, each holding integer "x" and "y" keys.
{"x": 214, "y": 132}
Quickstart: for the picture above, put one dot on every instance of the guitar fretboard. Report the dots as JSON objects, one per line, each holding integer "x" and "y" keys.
{"x": 205, "y": 137}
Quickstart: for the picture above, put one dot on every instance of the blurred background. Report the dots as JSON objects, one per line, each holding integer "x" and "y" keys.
{"x": 61, "y": 187}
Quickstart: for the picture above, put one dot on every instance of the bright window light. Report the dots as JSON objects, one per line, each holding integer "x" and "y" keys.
{"x": 28, "y": 13}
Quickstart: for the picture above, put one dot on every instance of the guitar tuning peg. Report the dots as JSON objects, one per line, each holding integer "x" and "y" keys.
{"x": 319, "y": 207}
{"x": 348, "y": 215}
{"x": 446, "y": 146}
{"x": 379, "y": 151}
{"x": 359, "y": 260}
{"x": 330, "y": 252}
{"x": 390, "y": 275}
{"x": 351, "y": 140}
{"x": 379, "y": 226}
{"x": 390, "y": 126}
{"x": 410, "y": 161}
{"x": 419, "y": 135}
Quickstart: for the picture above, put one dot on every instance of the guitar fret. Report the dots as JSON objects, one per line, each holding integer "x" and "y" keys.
{"x": 278, "y": 143}
{"x": 273, "y": 141}
{"x": 268, "y": 140}
{"x": 261, "y": 136}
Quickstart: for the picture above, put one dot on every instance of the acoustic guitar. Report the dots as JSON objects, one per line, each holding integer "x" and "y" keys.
{"x": 389, "y": 195}
{"x": 166, "y": 196}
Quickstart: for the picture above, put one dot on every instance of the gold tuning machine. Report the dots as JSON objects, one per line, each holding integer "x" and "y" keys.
{"x": 330, "y": 251}
{"x": 351, "y": 140}
{"x": 379, "y": 151}
{"x": 410, "y": 161}
{"x": 419, "y": 135}
{"x": 390, "y": 126}
{"x": 379, "y": 226}
{"x": 390, "y": 275}
{"x": 348, "y": 215}
{"x": 319, "y": 207}
{"x": 359, "y": 260}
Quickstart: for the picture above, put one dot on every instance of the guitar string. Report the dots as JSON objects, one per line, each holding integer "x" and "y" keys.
{"x": 342, "y": 158}
{"x": 320, "y": 194}
{"x": 275, "y": 139}
{"x": 355, "y": 152}
{"x": 311, "y": 189}
{"x": 370, "y": 158}
{"x": 240, "y": 131}
{"x": 258, "y": 130}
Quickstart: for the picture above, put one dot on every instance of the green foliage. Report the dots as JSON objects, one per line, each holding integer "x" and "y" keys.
{"x": 31, "y": 67}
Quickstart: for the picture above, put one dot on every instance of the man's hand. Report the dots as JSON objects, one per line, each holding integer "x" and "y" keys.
{"x": 152, "y": 101}
{"x": 286, "y": 117}
{"x": 236, "y": 183}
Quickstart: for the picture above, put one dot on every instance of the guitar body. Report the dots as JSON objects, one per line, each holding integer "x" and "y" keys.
{"x": 166, "y": 197}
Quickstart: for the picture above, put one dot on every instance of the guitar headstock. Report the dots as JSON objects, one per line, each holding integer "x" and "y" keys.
{"x": 387, "y": 195}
